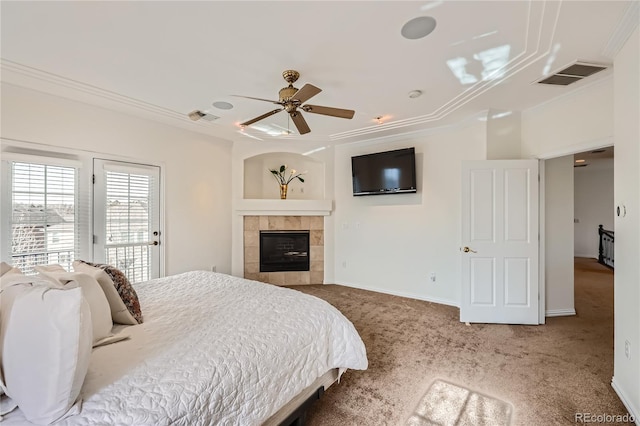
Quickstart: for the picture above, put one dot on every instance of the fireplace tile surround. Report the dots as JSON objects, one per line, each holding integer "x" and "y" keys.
{"x": 251, "y": 238}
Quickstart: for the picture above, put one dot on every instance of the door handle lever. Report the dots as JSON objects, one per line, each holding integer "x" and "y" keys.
{"x": 153, "y": 243}
{"x": 467, "y": 250}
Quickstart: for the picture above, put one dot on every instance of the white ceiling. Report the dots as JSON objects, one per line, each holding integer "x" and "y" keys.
{"x": 165, "y": 59}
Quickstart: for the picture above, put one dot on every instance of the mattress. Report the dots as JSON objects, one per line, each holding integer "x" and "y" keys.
{"x": 214, "y": 349}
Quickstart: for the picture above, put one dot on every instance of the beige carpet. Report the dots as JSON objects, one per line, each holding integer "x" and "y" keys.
{"x": 448, "y": 404}
{"x": 542, "y": 375}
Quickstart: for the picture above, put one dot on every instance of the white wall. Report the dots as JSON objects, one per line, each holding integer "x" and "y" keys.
{"x": 585, "y": 120}
{"x": 578, "y": 121}
{"x": 626, "y": 379}
{"x": 559, "y": 236}
{"x": 504, "y": 133}
{"x": 391, "y": 243}
{"x": 197, "y": 168}
{"x": 259, "y": 182}
{"x": 593, "y": 205}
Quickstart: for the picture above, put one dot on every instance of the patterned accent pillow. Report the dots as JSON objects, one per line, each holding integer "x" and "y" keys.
{"x": 124, "y": 287}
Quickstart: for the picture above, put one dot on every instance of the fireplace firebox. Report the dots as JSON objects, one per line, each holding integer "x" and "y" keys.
{"x": 284, "y": 251}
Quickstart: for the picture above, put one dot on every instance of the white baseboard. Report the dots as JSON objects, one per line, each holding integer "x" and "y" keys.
{"x": 634, "y": 411}
{"x": 588, "y": 256}
{"x": 402, "y": 294}
{"x": 560, "y": 312}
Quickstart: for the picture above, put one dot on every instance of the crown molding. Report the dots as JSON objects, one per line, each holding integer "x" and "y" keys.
{"x": 34, "y": 79}
{"x": 623, "y": 30}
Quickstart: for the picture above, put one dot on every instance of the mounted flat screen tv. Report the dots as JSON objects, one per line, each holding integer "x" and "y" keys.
{"x": 389, "y": 172}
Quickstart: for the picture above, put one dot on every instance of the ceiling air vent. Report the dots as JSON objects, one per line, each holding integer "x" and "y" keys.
{"x": 210, "y": 117}
{"x": 574, "y": 72}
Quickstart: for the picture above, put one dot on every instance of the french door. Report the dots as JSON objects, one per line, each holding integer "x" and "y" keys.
{"x": 126, "y": 218}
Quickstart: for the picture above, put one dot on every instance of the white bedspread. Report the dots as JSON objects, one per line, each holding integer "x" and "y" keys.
{"x": 214, "y": 350}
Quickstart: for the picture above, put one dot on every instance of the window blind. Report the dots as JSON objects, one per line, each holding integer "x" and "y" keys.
{"x": 43, "y": 215}
{"x": 129, "y": 222}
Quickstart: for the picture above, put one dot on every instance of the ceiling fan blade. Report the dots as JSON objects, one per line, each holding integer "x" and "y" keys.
{"x": 307, "y": 92}
{"x": 333, "y": 112}
{"x": 300, "y": 122}
{"x": 263, "y": 116}
{"x": 258, "y": 99}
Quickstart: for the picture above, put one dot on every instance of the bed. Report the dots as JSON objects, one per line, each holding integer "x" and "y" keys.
{"x": 216, "y": 349}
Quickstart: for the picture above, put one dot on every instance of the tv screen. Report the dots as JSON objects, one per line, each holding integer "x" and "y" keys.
{"x": 389, "y": 172}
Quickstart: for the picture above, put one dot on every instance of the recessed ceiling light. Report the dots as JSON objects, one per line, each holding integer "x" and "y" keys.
{"x": 418, "y": 27}
{"x": 415, "y": 94}
{"x": 580, "y": 161}
{"x": 222, "y": 105}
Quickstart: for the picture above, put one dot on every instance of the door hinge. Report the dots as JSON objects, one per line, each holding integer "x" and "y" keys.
{"x": 93, "y": 178}
{"x": 95, "y": 239}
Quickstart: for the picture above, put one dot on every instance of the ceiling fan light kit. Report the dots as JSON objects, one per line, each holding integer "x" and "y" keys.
{"x": 291, "y": 99}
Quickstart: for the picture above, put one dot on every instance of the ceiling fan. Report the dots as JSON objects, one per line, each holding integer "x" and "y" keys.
{"x": 291, "y": 100}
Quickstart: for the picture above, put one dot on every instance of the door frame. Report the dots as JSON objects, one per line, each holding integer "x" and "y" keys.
{"x": 162, "y": 256}
{"x": 542, "y": 278}
{"x": 574, "y": 149}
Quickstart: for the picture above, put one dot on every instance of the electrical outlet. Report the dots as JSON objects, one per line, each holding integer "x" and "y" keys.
{"x": 432, "y": 277}
{"x": 213, "y": 268}
{"x": 627, "y": 349}
{"x": 344, "y": 263}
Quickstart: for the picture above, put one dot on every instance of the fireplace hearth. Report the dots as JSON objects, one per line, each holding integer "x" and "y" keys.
{"x": 284, "y": 251}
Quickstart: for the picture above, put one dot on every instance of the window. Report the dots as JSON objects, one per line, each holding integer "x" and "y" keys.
{"x": 63, "y": 205}
{"x": 43, "y": 218}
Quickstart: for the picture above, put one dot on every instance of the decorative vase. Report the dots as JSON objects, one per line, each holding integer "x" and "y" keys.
{"x": 283, "y": 191}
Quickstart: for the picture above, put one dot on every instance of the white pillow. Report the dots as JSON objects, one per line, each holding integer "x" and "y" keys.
{"x": 46, "y": 348}
{"x": 5, "y": 268}
{"x": 7, "y": 275}
{"x": 92, "y": 291}
{"x": 119, "y": 311}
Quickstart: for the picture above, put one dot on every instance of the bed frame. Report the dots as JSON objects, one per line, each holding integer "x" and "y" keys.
{"x": 292, "y": 413}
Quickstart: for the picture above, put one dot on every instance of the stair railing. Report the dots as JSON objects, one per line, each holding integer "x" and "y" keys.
{"x": 606, "y": 247}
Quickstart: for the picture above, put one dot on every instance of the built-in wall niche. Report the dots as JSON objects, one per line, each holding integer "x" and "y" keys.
{"x": 260, "y": 184}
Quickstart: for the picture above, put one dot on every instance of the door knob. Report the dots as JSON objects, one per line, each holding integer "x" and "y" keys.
{"x": 467, "y": 250}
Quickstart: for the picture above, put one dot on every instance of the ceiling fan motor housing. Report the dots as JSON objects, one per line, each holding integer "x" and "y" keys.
{"x": 286, "y": 93}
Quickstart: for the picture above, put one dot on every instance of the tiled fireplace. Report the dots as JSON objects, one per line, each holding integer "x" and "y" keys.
{"x": 252, "y": 227}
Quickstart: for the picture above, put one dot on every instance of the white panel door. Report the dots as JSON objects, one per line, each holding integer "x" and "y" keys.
{"x": 126, "y": 199}
{"x": 500, "y": 242}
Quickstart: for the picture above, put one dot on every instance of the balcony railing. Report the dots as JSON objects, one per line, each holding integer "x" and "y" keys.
{"x": 27, "y": 261}
{"x": 606, "y": 247}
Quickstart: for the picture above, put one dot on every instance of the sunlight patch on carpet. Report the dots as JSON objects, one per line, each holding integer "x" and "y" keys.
{"x": 447, "y": 404}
